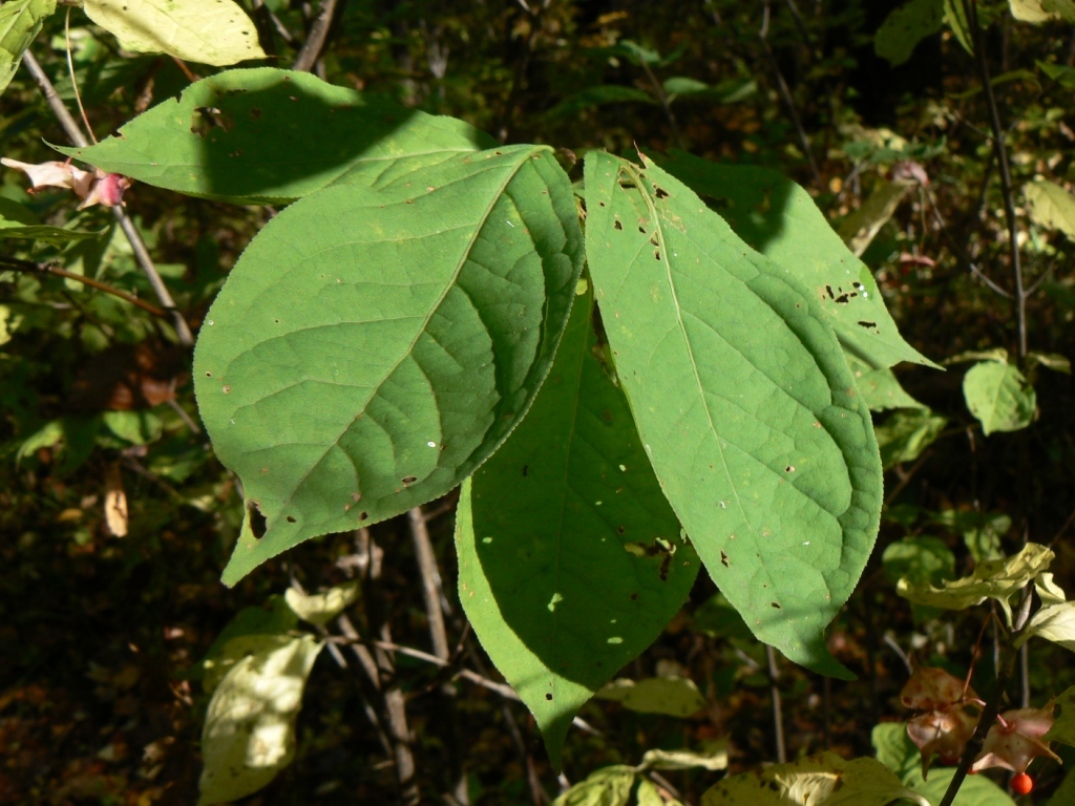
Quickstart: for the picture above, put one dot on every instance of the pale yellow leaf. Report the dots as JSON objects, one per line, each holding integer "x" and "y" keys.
{"x": 216, "y": 32}
{"x": 116, "y": 519}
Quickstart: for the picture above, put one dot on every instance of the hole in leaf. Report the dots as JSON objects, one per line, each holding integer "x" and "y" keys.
{"x": 789, "y": 469}
{"x": 657, "y": 253}
{"x": 363, "y": 515}
{"x": 724, "y": 559}
{"x": 617, "y": 224}
{"x": 660, "y": 192}
{"x": 257, "y": 520}
{"x": 867, "y": 324}
{"x": 776, "y": 605}
{"x": 290, "y": 518}
{"x": 207, "y": 118}
{"x": 548, "y": 697}
{"x": 409, "y": 479}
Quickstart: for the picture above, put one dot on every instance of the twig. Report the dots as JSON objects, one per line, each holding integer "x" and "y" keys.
{"x": 778, "y": 710}
{"x": 905, "y": 479}
{"x": 992, "y": 706}
{"x": 666, "y": 105}
{"x": 993, "y": 286}
{"x": 789, "y": 101}
{"x": 315, "y": 40}
{"x": 1008, "y": 194}
{"x": 141, "y": 254}
{"x": 431, "y": 581}
{"x": 28, "y": 266}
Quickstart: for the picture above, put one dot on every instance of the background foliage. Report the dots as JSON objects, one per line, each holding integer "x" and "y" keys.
{"x": 104, "y": 639}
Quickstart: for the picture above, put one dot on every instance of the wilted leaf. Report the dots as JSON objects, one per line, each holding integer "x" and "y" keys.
{"x": 673, "y": 696}
{"x": 321, "y": 608}
{"x": 996, "y": 579}
{"x": 215, "y": 32}
{"x": 821, "y": 780}
{"x": 249, "y": 733}
{"x": 716, "y": 758}
{"x": 999, "y": 397}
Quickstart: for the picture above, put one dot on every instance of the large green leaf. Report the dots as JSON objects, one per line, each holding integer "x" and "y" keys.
{"x": 371, "y": 348}
{"x": 779, "y": 219}
{"x": 570, "y": 559}
{"x": 20, "y": 22}
{"x": 743, "y": 400}
{"x": 275, "y": 135}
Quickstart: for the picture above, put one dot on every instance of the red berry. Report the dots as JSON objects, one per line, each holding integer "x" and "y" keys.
{"x": 1022, "y": 784}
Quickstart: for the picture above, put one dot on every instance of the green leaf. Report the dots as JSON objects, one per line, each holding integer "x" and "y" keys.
{"x": 920, "y": 558}
{"x": 249, "y": 733}
{"x": 900, "y": 755}
{"x": 1050, "y": 206}
{"x": 994, "y": 579}
{"x": 880, "y": 388}
{"x": 672, "y": 696}
{"x": 1060, "y": 73}
{"x": 570, "y": 559}
{"x": 999, "y": 397}
{"x": 371, "y": 349}
{"x": 135, "y": 427}
{"x": 905, "y": 27}
{"x": 684, "y": 85}
{"x": 1054, "y": 622}
{"x": 981, "y": 531}
{"x": 743, "y": 400}
{"x": 320, "y": 608}
{"x": 593, "y": 97}
{"x": 824, "y": 779}
{"x": 1063, "y": 729}
{"x": 215, "y": 32}
{"x": 1043, "y": 10}
{"x": 778, "y": 218}
{"x": 252, "y": 630}
{"x": 273, "y": 136}
{"x": 608, "y": 786}
{"x": 860, "y": 228}
{"x": 903, "y": 436}
{"x": 955, "y": 16}
{"x": 20, "y": 23}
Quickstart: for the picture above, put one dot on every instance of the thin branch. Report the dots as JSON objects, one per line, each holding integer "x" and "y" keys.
{"x": 1007, "y": 192}
{"x": 141, "y": 254}
{"x": 15, "y": 264}
{"x": 778, "y": 709}
{"x": 789, "y": 101}
{"x": 431, "y": 581}
{"x": 992, "y": 285}
{"x": 315, "y": 40}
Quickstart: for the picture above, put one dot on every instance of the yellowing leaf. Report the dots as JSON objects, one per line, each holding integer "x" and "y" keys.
{"x": 115, "y": 502}
{"x": 1056, "y": 623}
{"x": 20, "y": 22}
{"x": 716, "y": 758}
{"x": 249, "y": 733}
{"x": 215, "y": 32}
{"x": 321, "y": 608}
{"x": 1043, "y": 10}
{"x": 608, "y": 786}
{"x": 821, "y": 780}
{"x": 996, "y": 579}
{"x": 1050, "y": 206}
{"x": 675, "y": 696}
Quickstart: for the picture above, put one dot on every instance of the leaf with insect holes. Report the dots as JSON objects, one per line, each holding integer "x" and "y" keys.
{"x": 372, "y": 348}
{"x": 244, "y": 136}
{"x": 570, "y": 558}
{"x": 743, "y": 400}
{"x": 776, "y": 217}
